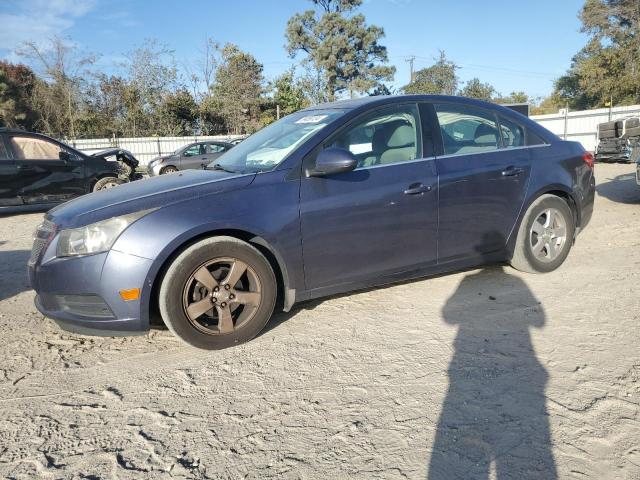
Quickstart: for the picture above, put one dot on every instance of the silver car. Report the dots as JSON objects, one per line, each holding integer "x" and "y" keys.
{"x": 192, "y": 156}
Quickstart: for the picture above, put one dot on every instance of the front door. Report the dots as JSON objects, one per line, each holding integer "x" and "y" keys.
{"x": 379, "y": 219}
{"x": 483, "y": 174}
{"x": 42, "y": 176}
{"x": 194, "y": 157}
{"x": 8, "y": 178}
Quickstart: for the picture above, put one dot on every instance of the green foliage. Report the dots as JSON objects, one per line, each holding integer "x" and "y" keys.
{"x": 514, "y": 97}
{"x": 341, "y": 46}
{"x": 287, "y": 94}
{"x": 609, "y": 65}
{"x": 438, "y": 79}
{"x": 16, "y": 86}
{"x": 476, "y": 89}
{"x": 178, "y": 114}
{"x": 238, "y": 89}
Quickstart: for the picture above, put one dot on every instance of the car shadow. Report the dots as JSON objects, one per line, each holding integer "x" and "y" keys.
{"x": 280, "y": 317}
{"x": 494, "y": 412}
{"x": 621, "y": 189}
{"x": 13, "y": 273}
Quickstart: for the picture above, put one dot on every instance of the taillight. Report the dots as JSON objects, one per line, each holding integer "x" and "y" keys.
{"x": 587, "y": 158}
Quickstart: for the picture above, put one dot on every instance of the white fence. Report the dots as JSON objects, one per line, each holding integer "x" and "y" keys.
{"x": 578, "y": 126}
{"x": 583, "y": 126}
{"x": 143, "y": 148}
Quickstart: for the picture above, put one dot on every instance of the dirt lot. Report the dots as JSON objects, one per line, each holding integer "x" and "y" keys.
{"x": 452, "y": 377}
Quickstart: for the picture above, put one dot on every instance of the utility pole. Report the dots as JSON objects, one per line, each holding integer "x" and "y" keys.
{"x": 410, "y": 60}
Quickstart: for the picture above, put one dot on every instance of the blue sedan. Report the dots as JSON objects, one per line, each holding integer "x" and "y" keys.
{"x": 331, "y": 199}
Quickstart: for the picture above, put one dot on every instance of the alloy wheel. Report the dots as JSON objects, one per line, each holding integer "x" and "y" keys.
{"x": 548, "y": 235}
{"x": 221, "y": 296}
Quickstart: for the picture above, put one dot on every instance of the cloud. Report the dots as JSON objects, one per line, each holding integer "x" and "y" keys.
{"x": 37, "y": 20}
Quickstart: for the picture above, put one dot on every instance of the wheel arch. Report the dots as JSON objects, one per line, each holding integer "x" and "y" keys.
{"x": 99, "y": 176}
{"x": 285, "y": 295}
{"x": 558, "y": 190}
{"x": 164, "y": 168}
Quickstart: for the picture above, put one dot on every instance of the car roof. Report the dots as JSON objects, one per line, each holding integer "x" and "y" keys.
{"x": 362, "y": 102}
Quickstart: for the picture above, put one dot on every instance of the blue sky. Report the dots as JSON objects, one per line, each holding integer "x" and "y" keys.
{"x": 514, "y": 45}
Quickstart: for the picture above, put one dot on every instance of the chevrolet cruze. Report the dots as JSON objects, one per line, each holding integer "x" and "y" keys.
{"x": 334, "y": 198}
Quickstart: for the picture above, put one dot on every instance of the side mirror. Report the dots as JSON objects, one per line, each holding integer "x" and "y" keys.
{"x": 64, "y": 156}
{"x": 333, "y": 160}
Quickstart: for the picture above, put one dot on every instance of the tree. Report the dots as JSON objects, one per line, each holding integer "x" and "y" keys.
{"x": 17, "y": 83}
{"x": 237, "y": 89}
{"x": 64, "y": 69}
{"x": 178, "y": 114}
{"x": 514, "y": 97}
{"x": 609, "y": 65}
{"x": 476, "y": 89}
{"x": 341, "y": 46}
{"x": 152, "y": 75}
{"x": 439, "y": 79}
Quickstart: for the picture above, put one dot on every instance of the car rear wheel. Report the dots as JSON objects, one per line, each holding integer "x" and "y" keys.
{"x": 169, "y": 169}
{"x": 106, "y": 183}
{"x": 218, "y": 293}
{"x": 545, "y": 236}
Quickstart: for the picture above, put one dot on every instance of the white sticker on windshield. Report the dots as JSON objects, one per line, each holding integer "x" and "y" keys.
{"x": 312, "y": 119}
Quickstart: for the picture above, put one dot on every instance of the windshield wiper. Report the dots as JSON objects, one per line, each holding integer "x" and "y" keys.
{"x": 217, "y": 166}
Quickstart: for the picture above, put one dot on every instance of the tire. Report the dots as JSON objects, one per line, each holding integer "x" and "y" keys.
{"x": 632, "y": 132}
{"x": 106, "y": 183}
{"x": 607, "y": 126}
{"x": 169, "y": 169}
{"x": 182, "y": 296}
{"x": 607, "y": 134}
{"x": 528, "y": 259}
{"x": 632, "y": 123}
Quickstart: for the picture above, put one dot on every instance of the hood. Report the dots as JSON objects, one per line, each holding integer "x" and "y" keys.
{"x": 116, "y": 154}
{"x": 155, "y": 192}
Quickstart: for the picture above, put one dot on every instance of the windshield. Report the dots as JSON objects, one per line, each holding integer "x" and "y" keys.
{"x": 268, "y": 147}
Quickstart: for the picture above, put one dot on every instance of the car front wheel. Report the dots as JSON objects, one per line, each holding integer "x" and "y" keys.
{"x": 545, "y": 236}
{"x": 217, "y": 293}
{"x": 169, "y": 169}
{"x": 106, "y": 183}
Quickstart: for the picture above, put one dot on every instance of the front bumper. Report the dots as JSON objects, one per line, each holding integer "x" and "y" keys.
{"x": 154, "y": 170}
{"x": 100, "y": 277}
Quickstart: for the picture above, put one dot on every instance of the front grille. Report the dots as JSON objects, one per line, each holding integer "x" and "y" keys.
{"x": 41, "y": 238}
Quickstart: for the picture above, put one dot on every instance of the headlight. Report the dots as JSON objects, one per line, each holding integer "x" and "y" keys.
{"x": 97, "y": 237}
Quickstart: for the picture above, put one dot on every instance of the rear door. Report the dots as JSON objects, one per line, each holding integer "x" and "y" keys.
{"x": 483, "y": 170}
{"x": 9, "y": 180}
{"x": 194, "y": 156}
{"x": 42, "y": 176}
{"x": 214, "y": 150}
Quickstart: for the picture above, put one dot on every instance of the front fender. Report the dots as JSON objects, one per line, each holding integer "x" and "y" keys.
{"x": 265, "y": 211}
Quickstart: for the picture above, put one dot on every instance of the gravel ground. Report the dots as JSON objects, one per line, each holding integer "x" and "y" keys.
{"x": 480, "y": 373}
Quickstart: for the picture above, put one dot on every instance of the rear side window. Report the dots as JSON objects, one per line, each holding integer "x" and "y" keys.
{"x": 467, "y": 130}
{"x": 4, "y": 155}
{"x": 31, "y": 148}
{"x": 512, "y": 133}
{"x": 216, "y": 148}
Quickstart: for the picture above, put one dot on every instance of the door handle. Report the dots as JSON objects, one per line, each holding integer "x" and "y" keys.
{"x": 417, "y": 189}
{"x": 512, "y": 171}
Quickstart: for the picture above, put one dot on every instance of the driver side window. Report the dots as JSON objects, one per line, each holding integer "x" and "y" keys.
{"x": 384, "y": 137}
{"x": 193, "y": 151}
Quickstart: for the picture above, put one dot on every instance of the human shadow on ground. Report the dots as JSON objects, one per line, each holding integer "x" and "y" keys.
{"x": 494, "y": 411}
{"x": 621, "y": 189}
{"x": 13, "y": 272}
